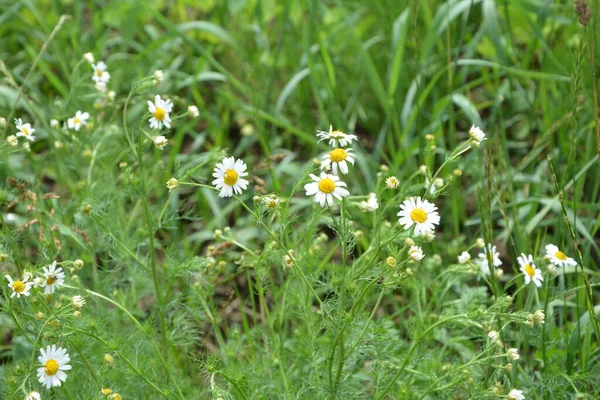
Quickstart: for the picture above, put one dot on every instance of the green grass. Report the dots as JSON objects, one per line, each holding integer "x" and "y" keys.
{"x": 189, "y": 313}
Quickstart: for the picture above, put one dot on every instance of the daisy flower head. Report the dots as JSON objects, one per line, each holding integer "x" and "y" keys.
{"x": 160, "y": 110}
{"x": 101, "y": 74}
{"x": 416, "y": 253}
{"x": 420, "y": 213}
{"x": 370, "y": 204}
{"x": 229, "y": 176}
{"x": 464, "y": 257}
{"x": 55, "y": 277}
{"x": 33, "y": 396}
{"x": 25, "y": 130}
{"x": 79, "y": 119}
{"x": 529, "y": 270}
{"x": 336, "y": 138}
{"x": 338, "y": 157}
{"x": 54, "y": 362}
{"x": 325, "y": 187}
{"x": 483, "y": 259}
{"x": 12, "y": 141}
{"x": 160, "y": 142}
{"x": 392, "y": 183}
{"x": 557, "y": 257}
{"x": 19, "y": 288}
{"x": 193, "y": 111}
{"x": 477, "y": 135}
{"x": 516, "y": 395}
{"x": 513, "y": 354}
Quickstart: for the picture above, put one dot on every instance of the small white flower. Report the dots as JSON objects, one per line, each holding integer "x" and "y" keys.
{"x": 101, "y": 74}
{"x": 78, "y": 120}
{"x": 12, "y": 141}
{"x": 172, "y": 184}
{"x": 25, "y": 130}
{"x": 529, "y": 270}
{"x": 420, "y": 213}
{"x": 160, "y": 110}
{"x": 33, "y": 396}
{"x": 160, "y": 142}
{"x": 89, "y": 57}
{"x": 78, "y": 264}
{"x": 338, "y": 157}
{"x": 193, "y": 111}
{"x": 325, "y": 187}
{"x": 336, "y": 138}
{"x": 477, "y": 135}
{"x": 229, "y": 177}
{"x": 557, "y": 257}
{"x": 371, "y": 204}
{"x": 158, "y": 76}
{"x": 539, "y": 317}
{"x": 494, "y": 336}
{"x": 416, "y": 253}
{"x": 271, "y": 201}
{"x": 483, "y": 259}
{"x": 392, "y": 183}
{"x": 54, "y": 362}
{"x": 464, "y": 257}
{"x": 55, "y": 277}
{"x": 325, "y": 165}
{"x": 77, "y": 302}
{"x": 19, "y": 288}
{"x": 513, "y": 354}
{"x": 516, "y": 395}
{"x": 54, "y": 123}
{"x": 288, "y": 262}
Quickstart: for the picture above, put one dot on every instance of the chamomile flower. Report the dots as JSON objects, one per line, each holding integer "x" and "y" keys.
{"x": 172, "y": 184}
{"x": 25, "y": 130}
{"x": 513, "y": 354}
{"x": 19, "y": 288}
{"x": 557, "y": 257}
{"x": 420, "y": 213}
{"x": 529, "y": 270}
{"x": 160, "y": 110}
{"x": 370, "y": 204}
{"x": 336, "y": 138}
{"x": 160, "y": 142}
{"x": 338, "y": 157}
{"x": 416, "y": 253}
{"x": 79, "y": 119}
{"x": 516, "y": 395}
{"x": 77, "y": 302}
{"x": 55, "y": 277}
{"x": 101, "y": 74}
{"x": 54, "y": 362}
{"x": 464, "y": 257}
{"x": 33, "y": 396}
{"x": 229, "y": 177}
{"x": 483, "y": 259}
{"x": 392, "y": 183}
{"x": 193, "y": 111}
{"x": 325, "y": 187}
{"x": 12, "y": 141}
{"x": 477, "y": 135}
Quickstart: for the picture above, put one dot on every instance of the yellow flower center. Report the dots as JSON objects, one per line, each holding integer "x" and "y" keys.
{"x": 327, "y": 185}
{"x": 560, "y": 255}
{"x": 98, "y": 72}
{"x": 50, "y": 280}
{"x": 76, "y": 121}
{"x": 418, "y": 215}
{"x": 159, "y": 114}
{"x": 25, "y": 131}
{"x": 337, "y": 134}
{"x": 51, "y": 367}
{"x": 530, "y": 270}
{"x": 338, "y": 155}
{"x": 230, "y": 177}
{"x": 18, "y": 286}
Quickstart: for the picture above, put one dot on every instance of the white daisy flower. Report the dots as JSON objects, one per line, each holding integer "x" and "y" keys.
{"x": 392, "y": 183}
{"x": 338, "y": 157}
{"x": 370, "y": 204}
{"x": 25, "y": 130}
{"x": 531, "y": 273}
{"x": 101, "y": 75}
{"x": 19, "y": 288}
{"x": 325, "y": 187}
{"x": 557, "y": 257}
{"x": 516, "y": 395}
{"x": 420, "y": 213}
{"x": 160, "y": 142}
{"x": 464, "y": 257}
{"x": 229, "y": 175}
{"x": 193, "y": 111}
{"x": 483, "y": 259}
{"x": 477, "y": 135}
{"x": 12, "y": 141}
{"x": 78, "y": 120}
{"x": 55, "y": 277}
{"x": 336, "y": 138}
{"x": 513, "y": 354}
{"x": 33, "y": 396}
{"x": 54, "y": 362}
{"x": 77, "y": 302}
{"x": 416, "y": 253}
{"x": 160, "y": 110}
